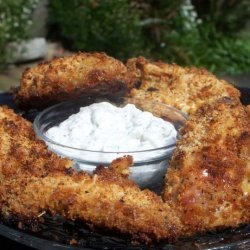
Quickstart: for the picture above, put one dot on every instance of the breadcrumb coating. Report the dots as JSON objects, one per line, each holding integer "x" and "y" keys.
{"x": 207, "y": 184}
{"x": 184, "y": 88}
{"x": 34, "y": 180}
{"x": 67, "y": 78}
{"x": 208, "y": 181}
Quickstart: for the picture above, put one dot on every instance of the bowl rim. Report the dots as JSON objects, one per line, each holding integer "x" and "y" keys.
{"x": 47, "y": 139}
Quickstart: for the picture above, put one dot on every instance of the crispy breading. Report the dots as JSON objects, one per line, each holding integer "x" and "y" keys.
{"x": 66, "y": 78}
{"x": 121, "y": 165}
{"x": 208, "y": 180}
{"x": 21, "y": 152}
{"x": 184, "y": 88}
{"x": 34, "y": 180}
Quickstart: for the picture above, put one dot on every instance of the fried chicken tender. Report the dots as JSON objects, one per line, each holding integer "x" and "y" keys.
{"x": 21, "y": 153}
{"x": 208, "y": 181}
{"x": 184, "y": 88}
{"x": 207, "y": 184}
{"x": 34, "y": 180}
{"x": 66, "y": 78}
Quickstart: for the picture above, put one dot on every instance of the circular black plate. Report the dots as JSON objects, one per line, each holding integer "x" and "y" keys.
{"x": 55, "y": 233}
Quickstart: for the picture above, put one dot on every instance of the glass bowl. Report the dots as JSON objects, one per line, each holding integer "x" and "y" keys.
{"x": 149, "y": 166}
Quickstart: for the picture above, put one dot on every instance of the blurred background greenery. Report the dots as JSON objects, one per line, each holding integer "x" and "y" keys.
{"x": 206, "y": 33}
{"x": 15, "y": 22}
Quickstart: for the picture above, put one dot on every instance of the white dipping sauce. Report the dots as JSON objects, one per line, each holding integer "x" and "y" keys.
{"x": 105, "y": 127}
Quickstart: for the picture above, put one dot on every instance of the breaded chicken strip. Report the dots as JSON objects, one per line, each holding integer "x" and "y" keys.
{"x": 184, "y": 88}
{"x": 21, "y": 153}
{"x": 208, "y": 181}
{"x": 34, "y": 180}
{"x": 66, "y": 78}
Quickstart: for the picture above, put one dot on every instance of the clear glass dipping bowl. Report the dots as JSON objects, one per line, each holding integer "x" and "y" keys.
{"x": 149, "y": 166}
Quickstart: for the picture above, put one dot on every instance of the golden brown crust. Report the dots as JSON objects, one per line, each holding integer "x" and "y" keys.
{"x": 121, "y": 165}
{"x": 208, "y": 179}
{"x": 34, "y": 180}
{"x": 66, "y": 78}
{"x": 184, "y": 88}
{"x": 21, "y": 152}
{"x": 98, "y": 201}
{"x": 207, "y": 183}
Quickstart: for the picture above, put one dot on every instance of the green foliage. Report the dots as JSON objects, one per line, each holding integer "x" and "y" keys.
{"x": 226, "y": 16}
{"x": 15, "y": 20}
{"x": 202, "y": 33}
{"x": 222, "y": 55}
{"x": 205, "y": 34}
{"x": 104, "y": 25}
{"x": 197, "y": 42}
